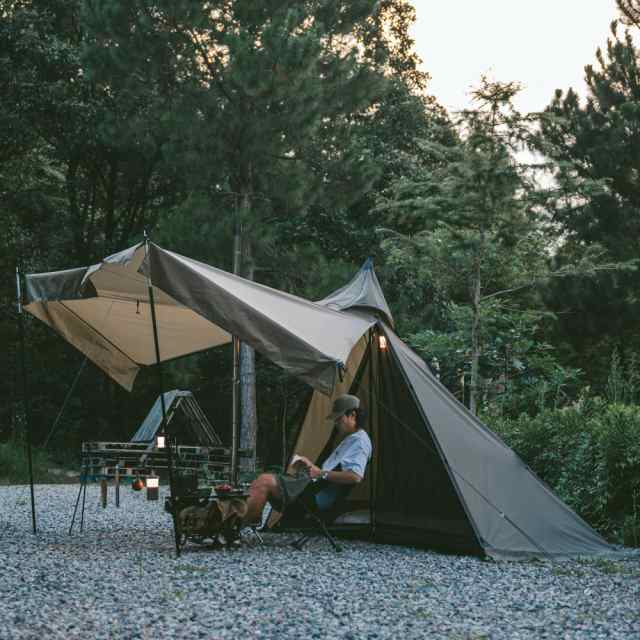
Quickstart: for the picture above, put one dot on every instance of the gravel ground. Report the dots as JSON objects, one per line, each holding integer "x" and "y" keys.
{"x": 120, "y": 579}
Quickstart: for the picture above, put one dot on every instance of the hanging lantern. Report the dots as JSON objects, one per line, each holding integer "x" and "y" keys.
{"x": 382, "y": 342}
{"x": 153, "y": 487}
{"x": 161, "y": 441}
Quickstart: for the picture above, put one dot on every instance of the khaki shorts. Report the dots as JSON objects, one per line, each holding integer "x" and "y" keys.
{"x": 290, "y": 489}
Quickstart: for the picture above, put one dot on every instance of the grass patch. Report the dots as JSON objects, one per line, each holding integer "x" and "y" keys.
{"x": 192, "y": 568}
{"x": 605, "y": 566}
{"x": 572, "y": 571}
{"x": 609, "y": 567}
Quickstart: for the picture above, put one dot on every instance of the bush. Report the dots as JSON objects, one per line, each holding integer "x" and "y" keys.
{"x": 589, "y": 454}
{"x": 14, "y": 463}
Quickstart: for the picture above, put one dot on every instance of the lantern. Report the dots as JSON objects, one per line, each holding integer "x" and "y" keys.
{"x": 153, "y": 485}
{"x": 161, "y": 442}
{"x": 382, "y": 341}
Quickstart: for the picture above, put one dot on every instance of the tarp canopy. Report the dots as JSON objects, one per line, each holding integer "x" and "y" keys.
{"x": 104, "y": 311}
{"x": 438, "y": 476}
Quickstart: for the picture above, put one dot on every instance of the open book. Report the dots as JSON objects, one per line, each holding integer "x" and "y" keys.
{"x": 297, "y": 466}
{"x": 296, "y": 458}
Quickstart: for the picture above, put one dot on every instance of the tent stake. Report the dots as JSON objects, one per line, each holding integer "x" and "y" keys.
{"x": 25, "y": 397}
{"x": 169, "y": 443}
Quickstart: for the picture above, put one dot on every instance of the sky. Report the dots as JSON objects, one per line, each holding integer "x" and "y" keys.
{"x": 543, "y": 44}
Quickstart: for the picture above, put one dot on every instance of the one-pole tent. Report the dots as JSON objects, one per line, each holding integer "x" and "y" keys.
{"x": 438, "y": 477}
{"x": 146, "y": 305}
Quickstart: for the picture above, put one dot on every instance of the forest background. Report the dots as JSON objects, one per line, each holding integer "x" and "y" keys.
{"x": 288, "y": 141}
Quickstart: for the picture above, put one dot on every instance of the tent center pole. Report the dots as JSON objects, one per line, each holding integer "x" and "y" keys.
{"x": 25, "y": 396}
{"x": 374, "y": 372}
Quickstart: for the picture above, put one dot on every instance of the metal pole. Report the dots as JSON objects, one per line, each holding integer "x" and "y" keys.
{"x": 284, "y": 429}
{"x": 84, "y": 496}
{"x": 25, "y": 396}
{"x": 235, "y": 410}
{"x": 374, "y": 374}
{"x": 169, "y": 444}
{"x": 75, "y": 509}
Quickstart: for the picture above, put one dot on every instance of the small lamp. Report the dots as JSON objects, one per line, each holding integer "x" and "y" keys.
{"x": 382, "y": 341}
{"x": 161, "y": 441}
{"x": 435, "y": 366}
{"x": 153, "y": 487}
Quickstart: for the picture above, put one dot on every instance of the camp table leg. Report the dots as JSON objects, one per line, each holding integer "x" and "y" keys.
{"x": 103, "y": 492}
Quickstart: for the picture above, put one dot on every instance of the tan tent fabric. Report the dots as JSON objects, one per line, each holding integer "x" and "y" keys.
{"x": 104, "y": 312}
{"x": 316, "y": 429}
{"x": 79, "y": 334}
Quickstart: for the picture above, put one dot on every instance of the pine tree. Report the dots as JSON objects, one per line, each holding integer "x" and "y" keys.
{"x": 467, "y": 205}
{"x": 595, "y": 149}
{"x": 630, "y": 10}
{"x": 265, "y": 94}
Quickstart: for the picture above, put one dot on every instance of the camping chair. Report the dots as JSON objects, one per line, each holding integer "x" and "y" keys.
{"x": 319, "y": 515}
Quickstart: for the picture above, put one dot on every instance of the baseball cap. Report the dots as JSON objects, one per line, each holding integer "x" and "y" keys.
{"x": 342, "y": 404}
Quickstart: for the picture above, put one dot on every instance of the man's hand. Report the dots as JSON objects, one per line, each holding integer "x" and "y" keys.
{"x": 302, "y": 462}
{"x": 314, "y": 472}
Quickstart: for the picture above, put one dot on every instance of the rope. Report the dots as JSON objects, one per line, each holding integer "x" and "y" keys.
{"x": 64, "y": 404}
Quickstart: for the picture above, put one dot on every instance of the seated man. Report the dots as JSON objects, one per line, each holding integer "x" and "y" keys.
{"x": 345, "y": 466}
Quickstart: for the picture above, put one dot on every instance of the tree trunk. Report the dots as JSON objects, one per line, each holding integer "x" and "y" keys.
{"x": 248, "y": 405}
{"x": 475, "y": 338}
{"x": 235, "y": 382}
{"x": 249, "y": 412}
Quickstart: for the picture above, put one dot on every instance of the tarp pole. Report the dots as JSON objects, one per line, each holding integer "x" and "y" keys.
{"x": 235, "y": 410}
{"x": 284, "y": 428}
{"x": 25, "y": 396}
{"x": 169, "y": 442}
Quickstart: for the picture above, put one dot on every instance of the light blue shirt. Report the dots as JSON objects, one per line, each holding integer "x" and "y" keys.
{"x": 352, "y": 454}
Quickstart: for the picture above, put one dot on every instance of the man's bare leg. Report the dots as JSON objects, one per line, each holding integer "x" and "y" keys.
{"x": 264, "y": 487}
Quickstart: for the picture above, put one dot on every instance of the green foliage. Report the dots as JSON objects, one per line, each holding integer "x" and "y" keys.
{"x": 468, "y": 206}
{"x": 593, "y": 149}
{"x": 519, "y": 371}
{"x": 14, "y": 464}
{"x": 589, "y": 454}
{"x": 623, "y": 381}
